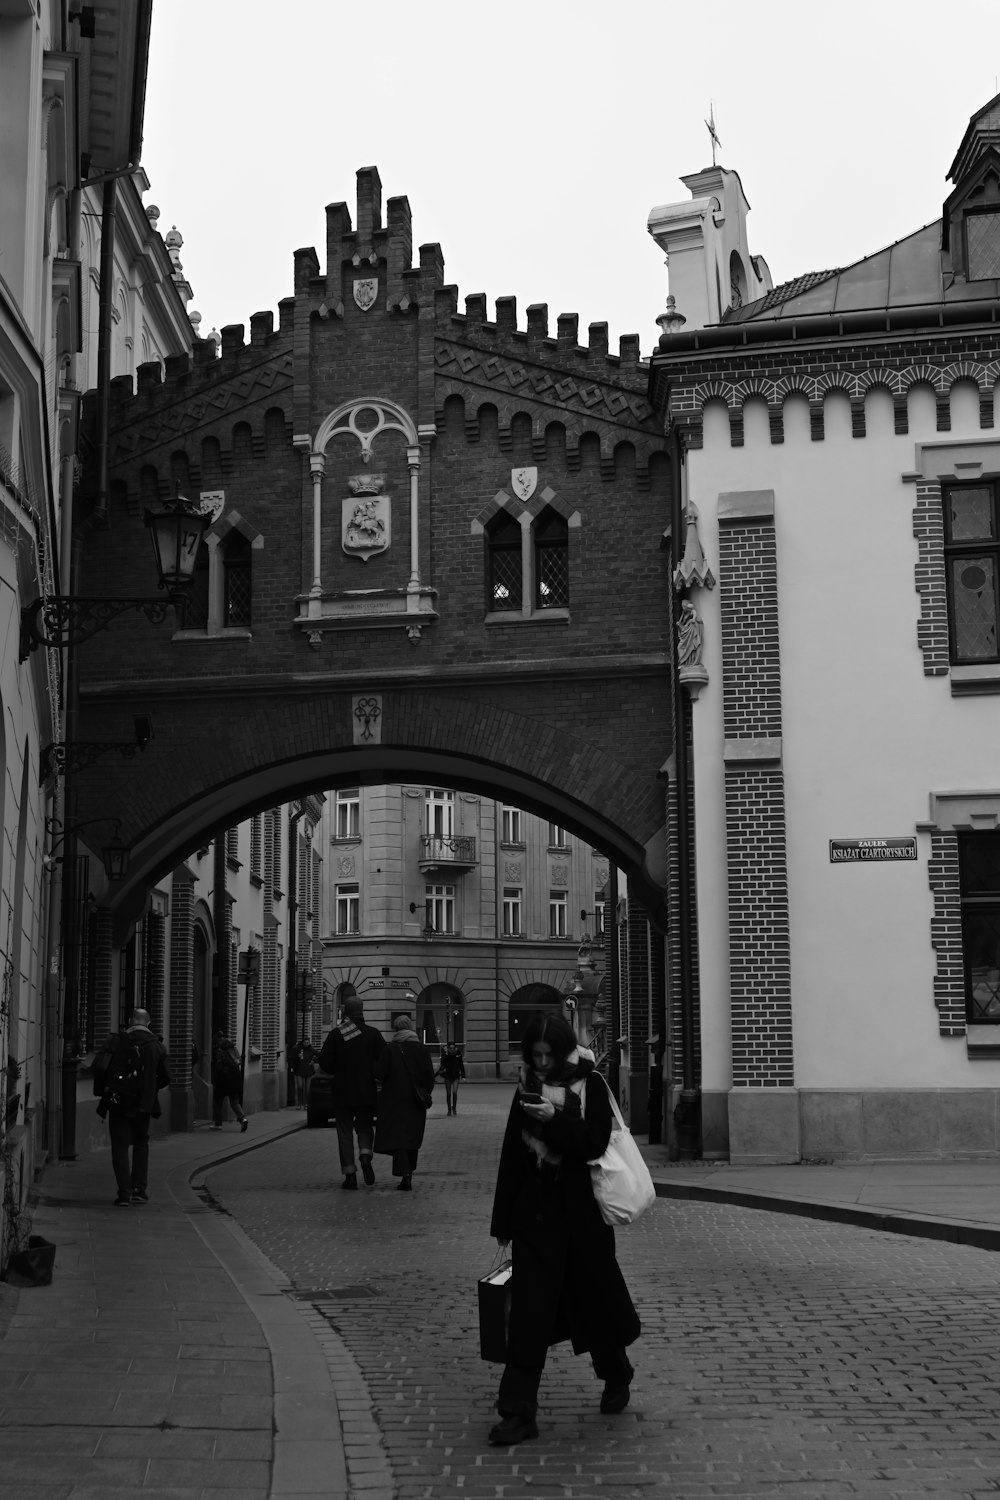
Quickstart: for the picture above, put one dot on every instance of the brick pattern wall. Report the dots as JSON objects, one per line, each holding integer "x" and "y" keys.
{"x": 760, "y": 978}
{"x": 636, "y": 986}
{"x": 751, "y": 665}
{"x": 932, "y": 627}
{"x": 759, "y": 954}
{"x": 154, "y": 967}
{"x": 946, "y": 934}
{"x": 100, "y": 943}
{"x": 674, "y": 1014}
{"x": 181, "y": 980}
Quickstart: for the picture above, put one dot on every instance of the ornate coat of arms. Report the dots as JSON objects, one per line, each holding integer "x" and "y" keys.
{"x": 365, "y": 292}
{"x": 366, "y": 519}
{"x": 523, "y": 482}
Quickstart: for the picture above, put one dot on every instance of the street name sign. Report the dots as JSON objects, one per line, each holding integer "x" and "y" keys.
{"x": 861, "y": 851}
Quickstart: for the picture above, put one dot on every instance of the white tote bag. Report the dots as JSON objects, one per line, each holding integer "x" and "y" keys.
{"x": 622, "y": 1184}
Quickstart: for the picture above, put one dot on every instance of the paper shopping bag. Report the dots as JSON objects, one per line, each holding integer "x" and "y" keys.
{"x": 494, "y": 1313}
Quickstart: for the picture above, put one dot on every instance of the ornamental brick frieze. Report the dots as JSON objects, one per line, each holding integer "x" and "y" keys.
{"x": 570, "y": 428}
{"x": 180, "y": 406}
{"x": 551, "y": 388}
{"x": 737, "y": 379}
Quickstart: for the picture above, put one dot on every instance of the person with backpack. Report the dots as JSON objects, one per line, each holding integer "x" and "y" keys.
{"x": 227, "y": 1080}
{"x": 132, "y": 1068}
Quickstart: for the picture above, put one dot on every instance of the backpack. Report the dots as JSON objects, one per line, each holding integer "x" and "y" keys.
{"x": 118, "y": 1072}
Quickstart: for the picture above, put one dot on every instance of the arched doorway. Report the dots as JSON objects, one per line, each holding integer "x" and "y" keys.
{"x": 524, "y": 1005}
{"x": 440, "y": 1015}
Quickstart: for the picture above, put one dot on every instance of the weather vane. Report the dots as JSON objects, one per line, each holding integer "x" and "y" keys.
{"x": 713, "y": 133}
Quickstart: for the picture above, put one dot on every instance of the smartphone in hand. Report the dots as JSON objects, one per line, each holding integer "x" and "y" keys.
{"x": 532, "y": 1099}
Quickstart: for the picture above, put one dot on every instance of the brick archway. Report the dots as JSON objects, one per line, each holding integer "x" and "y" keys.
{"x": 211, "y": 763}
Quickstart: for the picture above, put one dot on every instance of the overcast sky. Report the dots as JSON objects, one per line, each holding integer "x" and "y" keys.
{"x": 533, "y": 137}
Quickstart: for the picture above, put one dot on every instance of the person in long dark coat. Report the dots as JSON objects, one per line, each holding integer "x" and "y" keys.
{"x": 406, "y": 1073}
{"x": 566, "y": 1281}
{"x": 349, "y": 1055}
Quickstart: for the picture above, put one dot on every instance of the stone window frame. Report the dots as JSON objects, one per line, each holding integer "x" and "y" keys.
{"x": 952, "y": 813}
{"x": 937, "y": 465}
{"x": 526, "y": 514}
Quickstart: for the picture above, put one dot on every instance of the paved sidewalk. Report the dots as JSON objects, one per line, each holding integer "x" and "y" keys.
{"x": 169, "y": 1356}
{"x": 955, "y": 1200}
{"x": 165, "y": 1358}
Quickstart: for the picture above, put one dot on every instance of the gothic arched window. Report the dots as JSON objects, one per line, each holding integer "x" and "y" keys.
{"x": 504, "y": 570}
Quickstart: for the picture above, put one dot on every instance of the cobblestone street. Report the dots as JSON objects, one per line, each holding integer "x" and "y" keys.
{"x": 780, "y": 1355}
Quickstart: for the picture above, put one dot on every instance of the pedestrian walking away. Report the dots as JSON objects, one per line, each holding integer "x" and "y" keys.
{"x": 135, "y": 1072}
{"x": 227, "y": 1080}
{"x": 350, "y": 1054}
{"x": 406, "y": 1073}
{"x": 451, "y": 1068}
{"x": 303, "y": 1062}
{"x": 566, "y": 1281}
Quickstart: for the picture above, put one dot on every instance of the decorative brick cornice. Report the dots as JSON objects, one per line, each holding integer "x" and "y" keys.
{"x": 772, "y": 373}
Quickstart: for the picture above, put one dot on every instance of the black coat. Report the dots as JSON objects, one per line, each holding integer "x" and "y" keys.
{"x": 155, "y": 1073}
{"x": 567, "y": 1283}
{"x": 404, "y": 1066}
{"x": 351, "y": 1064}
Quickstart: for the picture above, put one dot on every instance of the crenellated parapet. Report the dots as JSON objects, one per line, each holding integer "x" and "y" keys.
{"x": 526, "y": 372}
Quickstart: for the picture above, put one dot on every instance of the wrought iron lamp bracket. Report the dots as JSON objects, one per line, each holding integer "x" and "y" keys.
{"x": 61, "y": 620}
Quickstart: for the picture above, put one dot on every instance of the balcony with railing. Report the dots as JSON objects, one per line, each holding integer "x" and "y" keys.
{"x": 451, "y": 853}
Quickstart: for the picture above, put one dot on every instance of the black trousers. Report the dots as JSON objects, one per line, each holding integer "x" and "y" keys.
{"x": 518, "y": 1394}
{"x": 220, "y": 1094}
{"x": 129, "y": 1134}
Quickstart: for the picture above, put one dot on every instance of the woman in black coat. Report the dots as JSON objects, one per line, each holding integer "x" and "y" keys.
{"x": 406, "y": 1074}
{"x": 566, "y": 1282}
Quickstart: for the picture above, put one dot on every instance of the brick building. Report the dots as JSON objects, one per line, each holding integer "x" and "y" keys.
{"x": 841, "y": 482}
{"x": 435, "y": 558}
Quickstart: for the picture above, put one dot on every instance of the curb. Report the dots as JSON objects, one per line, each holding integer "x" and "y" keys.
{"x": 955, "y": 1231}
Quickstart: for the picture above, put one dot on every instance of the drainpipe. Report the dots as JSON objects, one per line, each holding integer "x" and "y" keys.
{"x": 687, "y": 1111}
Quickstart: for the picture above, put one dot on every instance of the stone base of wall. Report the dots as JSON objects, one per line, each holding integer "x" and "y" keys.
{"x": 763, "y": 1126}
{"x": 714, "y": 1124}
{"x": 790, "y": 1125}
{"x": 894, "y": 1124}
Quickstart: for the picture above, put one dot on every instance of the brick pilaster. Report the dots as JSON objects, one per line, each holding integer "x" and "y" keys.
{"x": 760, "y": 978}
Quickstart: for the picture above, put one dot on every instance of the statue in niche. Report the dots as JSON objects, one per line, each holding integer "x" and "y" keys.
{"x": 690, "y": 636}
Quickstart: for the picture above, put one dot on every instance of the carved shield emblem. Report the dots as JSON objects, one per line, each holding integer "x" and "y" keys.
{"x": 365, "y": 525}
{"x": 523, "y": 482}
{"x": 365, "y": 292}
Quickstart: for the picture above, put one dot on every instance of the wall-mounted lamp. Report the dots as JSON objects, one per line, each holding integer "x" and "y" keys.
{"x": 59, "y": 620}
{"x": 114, "y": 855}
{"x": 428, "y": 930}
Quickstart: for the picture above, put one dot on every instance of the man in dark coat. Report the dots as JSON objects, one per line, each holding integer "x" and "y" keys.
{"x": 128, "y": 1118}
{"x": 350, "y": 1055}
{"x": 406, "y": 1073}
